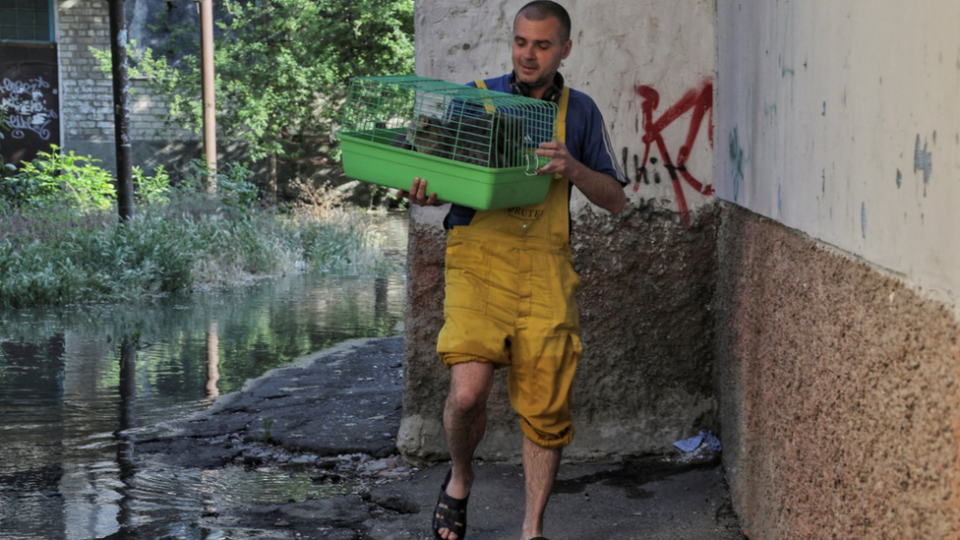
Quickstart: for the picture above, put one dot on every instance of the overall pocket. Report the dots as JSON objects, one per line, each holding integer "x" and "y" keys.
{"x": 467, "y": 268}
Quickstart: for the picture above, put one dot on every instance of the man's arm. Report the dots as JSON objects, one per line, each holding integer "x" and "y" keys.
{"x": 600, "y": 188}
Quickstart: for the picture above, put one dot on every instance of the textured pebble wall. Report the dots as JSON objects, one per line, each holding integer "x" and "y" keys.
{"x": 646, "y": 376}
{"x": 838, "y": 392}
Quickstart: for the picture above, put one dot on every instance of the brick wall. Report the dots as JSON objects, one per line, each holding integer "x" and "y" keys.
{"x": 86, "y": 105}
{"x": 147, "y": 112}
{"x": 87, "y": 93}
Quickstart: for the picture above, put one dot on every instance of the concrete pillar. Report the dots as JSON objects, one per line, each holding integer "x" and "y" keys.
{"x": 647, "y": 275}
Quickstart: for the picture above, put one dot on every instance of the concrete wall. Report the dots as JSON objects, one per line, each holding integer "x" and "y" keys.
{"x": 838, "y": 149}
{"x": 842, "y": 120}
{"x": 647, "y": 275}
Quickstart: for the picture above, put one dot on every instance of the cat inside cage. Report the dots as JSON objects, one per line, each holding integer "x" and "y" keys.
{"x": 469, "y": 132}
{"x": 489, "y": 140}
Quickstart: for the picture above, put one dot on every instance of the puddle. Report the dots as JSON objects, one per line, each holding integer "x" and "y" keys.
{"x": 73, "y": 378}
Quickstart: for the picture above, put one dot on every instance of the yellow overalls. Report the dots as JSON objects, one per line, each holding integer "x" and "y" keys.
{"x": 510, "y": 288}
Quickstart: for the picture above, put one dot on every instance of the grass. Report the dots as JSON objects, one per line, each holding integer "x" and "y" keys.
{"x": 58, "y": 255}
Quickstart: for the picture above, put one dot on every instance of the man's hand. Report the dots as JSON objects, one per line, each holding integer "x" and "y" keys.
{"x": 560, "y": 159}
{"x": 418, "y": 194}
{"x": 601, "y": 189}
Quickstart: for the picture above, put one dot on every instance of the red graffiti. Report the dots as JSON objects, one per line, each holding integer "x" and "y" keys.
{"x": 701, "y": 102}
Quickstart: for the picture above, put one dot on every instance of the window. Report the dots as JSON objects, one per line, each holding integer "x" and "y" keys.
{"x": 26, "y": 20}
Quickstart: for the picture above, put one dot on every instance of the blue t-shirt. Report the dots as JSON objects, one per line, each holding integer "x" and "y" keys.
{"x": 587, "y": 141}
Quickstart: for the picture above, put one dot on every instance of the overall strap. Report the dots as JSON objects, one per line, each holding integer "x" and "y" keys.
{"x": 562, "y": 115}
{"x": 487, "y": 104}
{"x": 547, "y": 221}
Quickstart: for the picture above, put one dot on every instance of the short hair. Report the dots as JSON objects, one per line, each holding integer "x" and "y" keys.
{"x": 539, "y": 10}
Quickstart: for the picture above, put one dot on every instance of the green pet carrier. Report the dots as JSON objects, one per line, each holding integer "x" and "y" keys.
{"x": 474, "y": 147}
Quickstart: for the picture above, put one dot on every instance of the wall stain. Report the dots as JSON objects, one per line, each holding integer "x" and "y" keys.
{"x": 863, "y": 219}
{"x": 899, "y": 178}
{"x": 736, "y": 157}
{"x": 922, "y": 159}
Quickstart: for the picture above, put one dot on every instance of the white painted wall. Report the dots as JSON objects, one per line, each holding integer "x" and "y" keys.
{"x": 619, "y": 45}
{"x": 842, "y": 120}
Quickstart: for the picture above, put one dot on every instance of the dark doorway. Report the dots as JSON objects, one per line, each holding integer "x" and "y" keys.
{"x": 29, "y": 82}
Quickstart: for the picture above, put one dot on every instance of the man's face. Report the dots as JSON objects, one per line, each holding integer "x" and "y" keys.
{"x": 537, "y": 51}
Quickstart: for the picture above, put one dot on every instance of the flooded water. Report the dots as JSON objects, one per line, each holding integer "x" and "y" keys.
{"x": 73, "y": 380}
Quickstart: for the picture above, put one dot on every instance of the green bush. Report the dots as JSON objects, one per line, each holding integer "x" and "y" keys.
{"x": 6, "y": 169}
{"x": 55, "y": 178}
{"x": 60, "y": 256}
{"x": 115, "y": 262}
{"x": 233, "y": 183}
{"x": 61, "y": 241}
{"x": 152, "y": 189}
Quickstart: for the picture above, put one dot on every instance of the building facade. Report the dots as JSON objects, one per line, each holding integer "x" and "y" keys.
{"x": 55, "y": 92}
{"x": 787, "y": 271}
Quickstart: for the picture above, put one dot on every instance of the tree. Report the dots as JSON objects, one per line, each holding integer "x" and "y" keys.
{"x": 283, "y": 66}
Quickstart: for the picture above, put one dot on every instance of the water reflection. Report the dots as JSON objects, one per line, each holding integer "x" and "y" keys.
{"x": 124, "y": 437}
{"x": 213, "y": 360}
{"x": 74, "y": 381}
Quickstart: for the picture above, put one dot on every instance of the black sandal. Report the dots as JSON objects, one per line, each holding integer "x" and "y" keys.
{"x": 450, "y": 513}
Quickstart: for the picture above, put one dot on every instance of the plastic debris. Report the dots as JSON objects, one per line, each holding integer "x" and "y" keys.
{"x": 691, "y": 444}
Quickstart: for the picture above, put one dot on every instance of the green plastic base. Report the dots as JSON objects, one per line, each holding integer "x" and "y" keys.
{"x": 469, "y": 185}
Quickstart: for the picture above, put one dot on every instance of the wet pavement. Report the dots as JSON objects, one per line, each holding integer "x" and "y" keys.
{"x": 345, "y": 400}
{"x": 332, "y": 417}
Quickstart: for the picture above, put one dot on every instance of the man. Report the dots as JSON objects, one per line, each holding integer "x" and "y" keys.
{"x": 510, "y": 283}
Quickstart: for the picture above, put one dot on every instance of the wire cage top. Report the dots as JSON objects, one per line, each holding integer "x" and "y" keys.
{"x": 474, "y": 146}
{"x": 469, "y": 125}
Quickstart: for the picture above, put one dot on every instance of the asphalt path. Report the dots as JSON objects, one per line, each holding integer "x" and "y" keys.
{"x": 338, "y": 412}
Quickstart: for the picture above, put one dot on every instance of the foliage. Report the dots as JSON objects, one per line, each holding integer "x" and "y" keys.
{"x": 6, "y": 169}
{"x": 54, "y": 177}
{"x": 233, "y": 183}
{"x": 152, "y": 189}
{"x": 265, "y": 435}
{"x": 282, "y": 66}
{"x": 59, "y": 254}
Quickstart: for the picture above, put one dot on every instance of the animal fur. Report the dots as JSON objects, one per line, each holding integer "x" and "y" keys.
{"x": 486, "y": 140}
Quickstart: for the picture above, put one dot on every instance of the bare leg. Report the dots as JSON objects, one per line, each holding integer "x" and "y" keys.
{"x": 465, "y": 420}
{"x": 540, "y": 467}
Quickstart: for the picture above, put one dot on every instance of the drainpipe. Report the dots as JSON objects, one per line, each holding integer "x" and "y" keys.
{"x": 121, "y": 109}
{"x": 209, "y": 93}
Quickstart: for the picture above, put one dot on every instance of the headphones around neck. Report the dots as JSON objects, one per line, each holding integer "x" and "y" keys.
{"x": 553, "y": 93}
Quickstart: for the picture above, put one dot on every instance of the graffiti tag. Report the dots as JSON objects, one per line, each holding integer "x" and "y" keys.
{"x": 700, "y": 101}
{"x": 26, "y": 107}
